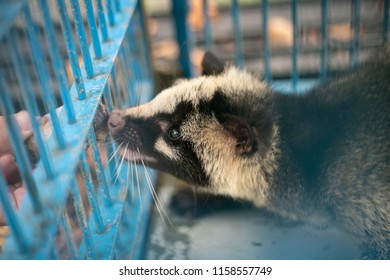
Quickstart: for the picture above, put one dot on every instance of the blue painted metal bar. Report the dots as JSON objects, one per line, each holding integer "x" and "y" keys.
{"x": 124, "y": 57}
{"x": 386, "y": 22}
{"x": 13, "y": 221}
{"x": 294, "y": 56}
{"x": 102, "y": 20}
{"x": 324, "y": 37}
{"x": 114, "y": 79}
{"x": 112, "y": 163}
{"x": 109, "y": 146}
{"x": 54, "y": 192}
{"x": 117, "y": 5}
{"x": 207, "y": 34}
{"x": 266, "y": 49}
{"x": 127, "y": 95}
{"x": 9, "y": 15}
{"x": 105, "y": 243}
{"x": 57, "y": 62}
{"x": 355, "y": 23}
{"x": 108, "y": 99}
{"x": 67, "y": 230}
{"x": 89, "y": 248}
{"x": 44, "y": 78}
{"x": 30, "y": 102}
{"x": 78, "y": 20}
{"x": 135, "y": 49}
{"x": 148, "y": 64}
{"x": 86, "y": 173}
{"x": 93, "y": 28}
{"x": 99, "y": 167}
{"x": 71, "y": 48}
{"x": 179, "y": 12}
{"x": 134, "y": 229}
{"x": 25, "y": 169}
{"x": 237, "y": 34}
{"x": 110, "y": 12}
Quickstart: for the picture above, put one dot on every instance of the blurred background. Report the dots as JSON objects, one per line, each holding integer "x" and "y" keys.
{"x": 293, "y": 45}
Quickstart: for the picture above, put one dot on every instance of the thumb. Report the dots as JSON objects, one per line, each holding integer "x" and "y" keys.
{"x": 24, "y": 123}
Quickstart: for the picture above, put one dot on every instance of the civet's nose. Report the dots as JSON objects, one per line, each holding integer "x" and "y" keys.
{"x": 115, "y": 122}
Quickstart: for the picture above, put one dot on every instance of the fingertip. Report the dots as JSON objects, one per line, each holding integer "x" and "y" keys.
{"x": 24, "y": 122}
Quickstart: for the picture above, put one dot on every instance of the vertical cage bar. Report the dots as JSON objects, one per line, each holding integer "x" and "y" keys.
{"x": 13, "y": 221}
{"x": 117, "y": 5}
{"x": 127, "y": 96}
{"x": 109, "y": 146}
{"x": 57, "y": 61}
{"x": 179, "y": 12}
{"x": 102, "y": 20}
{"x": 86, "y": 173}
{"x": 237, "y": 34}
{"x": 110, "y": 12}
{"x": 30, "y": 102}
{"x": 82, "y": 218}
{"x": 44, "y": 78}
{"x": 71, "y": 49}
{"x": 78, "y": 20}
{"x": 114, "y": 78}
{"x": 125, "y": 60}
{"x": 207, "y": 34}
{"x": 146, "y": 46}
{"x": 294, "y": 56}
{"x": 25, "y": 169}
{"x": 108, "y": 99}
{"x": 266, "y": 49}
{"x": 93, "y": 28}
{"x": 355, "y": 23}
{"x": 68, "y": 236}
{"x": 324, "y": 37}
{"x": 386, "y": 10}
{"x": 111, "y": 161}
{"x": 99, "y": 167}
{"x": 53, "y": 255}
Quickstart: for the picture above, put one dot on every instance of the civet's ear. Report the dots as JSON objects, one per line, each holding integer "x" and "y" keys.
{"x": 240, "y": 130}
{"x": 211, "y": 65}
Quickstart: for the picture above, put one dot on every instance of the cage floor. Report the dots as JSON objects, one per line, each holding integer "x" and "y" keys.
{"x": 242, "y": 233}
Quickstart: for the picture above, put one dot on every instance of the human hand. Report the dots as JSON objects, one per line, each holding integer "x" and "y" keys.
{"x": 7, "y": 160}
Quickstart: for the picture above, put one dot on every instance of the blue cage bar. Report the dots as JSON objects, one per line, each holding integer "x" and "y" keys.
{"x": 70, "y": 187}
{"x": 327, "y": 43}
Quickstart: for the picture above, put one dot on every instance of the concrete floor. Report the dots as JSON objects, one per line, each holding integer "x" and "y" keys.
{"x": 242, "y": 233}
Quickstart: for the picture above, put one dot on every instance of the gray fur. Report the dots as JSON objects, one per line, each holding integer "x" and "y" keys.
{"x": 321, "y": 155}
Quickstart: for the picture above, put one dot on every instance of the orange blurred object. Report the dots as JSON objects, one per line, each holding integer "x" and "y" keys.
{"x": 195, "y": 17}
{"x": 280, "y": 31}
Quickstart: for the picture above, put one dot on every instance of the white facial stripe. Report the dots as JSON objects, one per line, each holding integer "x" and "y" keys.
{"x": 167, "y": 101}
{"x": 233, "y": 81}
{"x": 162, "y": 147}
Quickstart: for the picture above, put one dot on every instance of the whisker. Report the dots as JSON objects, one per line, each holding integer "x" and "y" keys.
{"x": 115, "y": 152}
{"x": 120, "y": 166}
{"x": 160, "y": 205}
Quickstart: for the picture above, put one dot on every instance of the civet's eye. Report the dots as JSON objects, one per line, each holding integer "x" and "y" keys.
{"x": 174, "y": 133}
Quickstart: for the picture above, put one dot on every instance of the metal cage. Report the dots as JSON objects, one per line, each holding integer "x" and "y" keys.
{"x": 365, "y": 24}
{"x": 62, "y": 59}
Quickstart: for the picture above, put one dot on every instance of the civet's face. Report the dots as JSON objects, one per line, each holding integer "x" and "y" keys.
{"x": 209, "y": 131}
